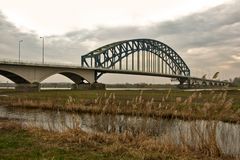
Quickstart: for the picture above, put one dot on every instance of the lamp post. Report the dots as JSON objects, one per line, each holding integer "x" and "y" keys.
{"x": 19, "y": 50}
{"x": 42, "y": 49}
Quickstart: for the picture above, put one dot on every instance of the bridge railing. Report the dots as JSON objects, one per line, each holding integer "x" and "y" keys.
{"x": 28, "y": 62}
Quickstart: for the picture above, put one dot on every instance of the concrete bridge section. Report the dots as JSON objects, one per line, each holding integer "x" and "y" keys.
{"x": 28, "y": 76}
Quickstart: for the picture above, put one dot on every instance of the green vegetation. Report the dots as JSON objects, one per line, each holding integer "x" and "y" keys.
{"x": 17, "y": 142}
{"x": 236, "y": 81}
{"x": 140, "y": 85}
{"x": 212, "y": 105}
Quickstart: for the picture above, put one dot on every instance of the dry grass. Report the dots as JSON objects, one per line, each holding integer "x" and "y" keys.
{"x": 214, "y": 106}
{"x": 7, "y": 125}
{"x": 194, "y": 144}
{"x": 139, "y": 145}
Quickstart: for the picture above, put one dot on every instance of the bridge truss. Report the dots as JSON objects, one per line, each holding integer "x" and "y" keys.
{"x": 139, "y": 55}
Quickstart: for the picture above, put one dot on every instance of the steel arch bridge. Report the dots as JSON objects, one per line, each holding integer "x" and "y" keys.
{"x": 136, "y": 57}
{"x": 141, "y": 55}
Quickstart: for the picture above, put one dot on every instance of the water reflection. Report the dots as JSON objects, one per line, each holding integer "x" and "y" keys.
{"x": 227, "y": 136}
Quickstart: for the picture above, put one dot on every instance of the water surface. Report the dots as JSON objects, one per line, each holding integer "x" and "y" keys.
{"x": 227, "y": 135}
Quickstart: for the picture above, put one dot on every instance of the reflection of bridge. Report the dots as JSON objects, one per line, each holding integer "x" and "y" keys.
{"x": 136, "y": 57}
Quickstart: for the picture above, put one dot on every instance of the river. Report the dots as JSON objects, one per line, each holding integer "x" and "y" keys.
{"x": 227, "y": 135}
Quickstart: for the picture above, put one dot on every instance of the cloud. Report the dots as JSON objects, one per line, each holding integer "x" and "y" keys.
{"x": 208, "y": 41}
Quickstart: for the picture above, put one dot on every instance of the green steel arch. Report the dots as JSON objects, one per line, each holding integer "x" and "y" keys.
{"x": 144, "y": 55}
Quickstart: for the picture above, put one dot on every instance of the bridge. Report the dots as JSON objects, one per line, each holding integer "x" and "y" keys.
{"x": 136, "y": 57}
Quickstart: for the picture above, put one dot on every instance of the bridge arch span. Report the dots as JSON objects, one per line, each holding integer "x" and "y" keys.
{"x": 29, "y": 74}
{"x": 73, "y": 76}
{"x": 16, "y": 78}
{"x": 143, "y": 55}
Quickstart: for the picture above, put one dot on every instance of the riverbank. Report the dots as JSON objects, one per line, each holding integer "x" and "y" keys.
{"x": 21, "y": 142}
{"x": 188, "y": 105}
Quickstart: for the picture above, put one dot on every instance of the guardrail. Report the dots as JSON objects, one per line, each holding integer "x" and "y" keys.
{"x": 24, "y": 62}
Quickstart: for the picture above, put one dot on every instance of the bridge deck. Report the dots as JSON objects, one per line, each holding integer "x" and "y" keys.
{"x": 104, "y": 70}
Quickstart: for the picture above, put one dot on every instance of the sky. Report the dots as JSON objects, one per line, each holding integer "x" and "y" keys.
{"x": 206, "y": 34}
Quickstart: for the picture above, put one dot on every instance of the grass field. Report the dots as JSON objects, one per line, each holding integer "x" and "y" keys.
{"x": 214, "y": 105}
{"x": 20, "y": 143}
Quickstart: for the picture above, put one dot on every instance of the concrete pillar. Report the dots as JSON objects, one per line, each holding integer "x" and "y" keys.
{"x": 184, "y": 83}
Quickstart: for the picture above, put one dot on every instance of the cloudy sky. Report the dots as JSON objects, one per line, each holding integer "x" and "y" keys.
{"x": 206, "y": 34}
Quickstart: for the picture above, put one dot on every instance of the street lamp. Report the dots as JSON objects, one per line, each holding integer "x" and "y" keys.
{"x": 42, "y": 49}
{"x": 19, "y": 50}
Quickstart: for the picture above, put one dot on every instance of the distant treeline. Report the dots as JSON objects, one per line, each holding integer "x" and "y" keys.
{"x": 56, "y": 85}
{"x": 139, "y": 85}
{"x": 7, "y": 84}
{"x": 236, "y": 81}
{"x": 123, "y": 85}
{"x": 43, "y": 85}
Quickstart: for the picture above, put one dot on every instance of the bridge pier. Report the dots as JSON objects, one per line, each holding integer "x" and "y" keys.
{"x": 89, "y": 86}
{"x": 184, "y": 83}
{"x": 28, "y": 87}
